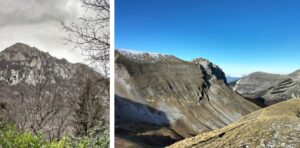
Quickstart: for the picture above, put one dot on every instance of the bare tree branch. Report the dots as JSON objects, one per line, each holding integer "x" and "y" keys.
{"x": 91, "y": 33}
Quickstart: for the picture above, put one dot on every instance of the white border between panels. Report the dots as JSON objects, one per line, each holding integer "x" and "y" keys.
{"x": 112, "y": 76}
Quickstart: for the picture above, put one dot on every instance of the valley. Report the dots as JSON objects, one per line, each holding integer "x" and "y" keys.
{"x": 162, "y": 101}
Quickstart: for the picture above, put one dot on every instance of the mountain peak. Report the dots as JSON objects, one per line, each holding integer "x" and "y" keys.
{"x": 199, "y": 60}
{"x": 210, "y": 68}
{"x": 204, "y": 62}
{"x": 21, "y": 51}
{"x": 261, "y": 73}
{"x": 19, "y": 44}
{"x": 19, "y": 47}
{"x": 21, "y": 63}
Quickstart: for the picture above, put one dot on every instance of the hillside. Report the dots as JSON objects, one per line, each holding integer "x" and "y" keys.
{"x": 42, "y": 93}
{"x": 275, "y": 126}
{"x": 161, "y": 99}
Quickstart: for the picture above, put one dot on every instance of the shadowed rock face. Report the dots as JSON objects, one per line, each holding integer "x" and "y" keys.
{"x": 26, "y": 72}
{"x": 269, "y": 88}
{"x": 275, "y": 126}
{"x": 183, "y": 98}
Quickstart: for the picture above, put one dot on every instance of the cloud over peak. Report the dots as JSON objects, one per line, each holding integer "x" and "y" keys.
{"x": 37, "y": 23}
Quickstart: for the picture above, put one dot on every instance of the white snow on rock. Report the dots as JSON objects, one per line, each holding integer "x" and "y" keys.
{"x": 141, "y": 56}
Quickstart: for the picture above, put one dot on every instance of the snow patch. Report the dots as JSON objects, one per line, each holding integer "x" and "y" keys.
{"x": 140, "y": 55}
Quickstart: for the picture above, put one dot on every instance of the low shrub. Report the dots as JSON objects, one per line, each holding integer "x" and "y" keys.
{"x": 11, "y": 138}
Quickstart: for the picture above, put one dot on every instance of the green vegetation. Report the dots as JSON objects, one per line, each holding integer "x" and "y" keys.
{"x": 11, "y": 138}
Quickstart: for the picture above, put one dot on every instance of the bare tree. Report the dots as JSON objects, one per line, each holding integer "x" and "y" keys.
{"x": 42, "y": 113}
{"x": 91, "y": 33}
{"x": 90, "y": 108}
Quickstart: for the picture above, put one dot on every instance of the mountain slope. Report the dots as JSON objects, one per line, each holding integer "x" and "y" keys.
{"x": 41, "y": 91}
{"x": 269, "y": 88}
{"x": 163, "y": 97}
{"x": 275, "y": 126}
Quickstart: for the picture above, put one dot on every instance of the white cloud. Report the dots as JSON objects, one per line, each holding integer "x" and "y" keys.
{"x": 38, "y": 23}
{"x": 37, "y": 11}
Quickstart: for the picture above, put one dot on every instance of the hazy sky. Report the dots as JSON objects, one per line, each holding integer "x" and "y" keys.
{"x": 38, "y": 23}
{"x": 241, "y": 36}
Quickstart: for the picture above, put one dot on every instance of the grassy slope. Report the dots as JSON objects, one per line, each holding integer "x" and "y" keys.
{"x": 277, "y": 125}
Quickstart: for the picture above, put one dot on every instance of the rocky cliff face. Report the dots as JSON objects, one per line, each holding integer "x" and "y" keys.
{"x": 33, "y": 83}
{"x": 275, "y": 126}
{"x": 269, "y": 88}
{"x": 161, "y": 99}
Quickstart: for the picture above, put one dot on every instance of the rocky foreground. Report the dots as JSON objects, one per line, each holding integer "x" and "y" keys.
{"x": 161, "y": 99}
{"x": 275, "y": 126}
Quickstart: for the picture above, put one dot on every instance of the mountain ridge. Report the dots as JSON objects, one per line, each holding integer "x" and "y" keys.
{"x": 269, "y": 88}
{"x": 22, "y": 48}
{"x": 174, "y": 95}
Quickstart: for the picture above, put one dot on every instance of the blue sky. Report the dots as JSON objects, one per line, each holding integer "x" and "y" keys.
{"x": 241, "y": 36}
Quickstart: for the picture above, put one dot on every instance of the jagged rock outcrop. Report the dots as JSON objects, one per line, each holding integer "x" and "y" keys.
{"x": 41, "y": 91}
{"x": 275, "y": 126}
{"x": 161, "y": 99}
{"x": 269, "y": 88}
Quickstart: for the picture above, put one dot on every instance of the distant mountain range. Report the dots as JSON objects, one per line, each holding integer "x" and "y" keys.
{"x": 161, "y": 99}
{"x": 269, "y": 88}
